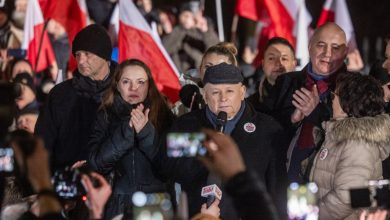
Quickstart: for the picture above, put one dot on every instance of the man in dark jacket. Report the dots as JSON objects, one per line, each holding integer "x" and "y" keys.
{"x": 248, "y": 193}
{"x": 301, "y": 100}
{"x": 67, "y": 119}
{"x": 279, "y": 58}
{"x": 190, "y": 39}
{"x": 257, "y": 136}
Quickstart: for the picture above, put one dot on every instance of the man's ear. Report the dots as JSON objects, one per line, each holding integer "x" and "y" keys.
{"x": 243, "y": 92}
{"x": 203, "y": 93}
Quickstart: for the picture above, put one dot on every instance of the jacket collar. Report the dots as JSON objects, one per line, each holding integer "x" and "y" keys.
{"x": 88, "y": 88}
{"x": 375, "y": 130}
{"x": 248, "y": 115}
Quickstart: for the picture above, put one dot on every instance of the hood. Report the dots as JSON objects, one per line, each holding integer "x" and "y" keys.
{"x": 375, "y": 130}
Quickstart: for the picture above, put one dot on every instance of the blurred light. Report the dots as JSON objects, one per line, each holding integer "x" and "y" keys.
{"x": 139, "y": 199}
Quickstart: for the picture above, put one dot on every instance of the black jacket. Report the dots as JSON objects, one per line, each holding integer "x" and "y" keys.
{"x": 257, "y": 148}
{"x": 66, "y": 121}
{"x": 280, "y": 98}
{"x": 116, "y": 147}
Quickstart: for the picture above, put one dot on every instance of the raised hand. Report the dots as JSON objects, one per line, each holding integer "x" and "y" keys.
{"x": 139, "y": 118}
{"x": 306, "y": 101}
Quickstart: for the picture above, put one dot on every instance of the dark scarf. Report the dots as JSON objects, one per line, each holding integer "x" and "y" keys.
{"x": 325, "y": 84}
{"x": 230, "y": 124}
{"x": 93, "y": 89}
{"x": 121, "y": 108}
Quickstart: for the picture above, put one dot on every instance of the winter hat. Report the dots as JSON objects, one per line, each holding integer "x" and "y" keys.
{"x": 94, "y": 39}
{"x": 25, "y": 111}
{"x": 223, "y": 74}
{"x": 7, "y": 6}
{"x": 191, "y": 6}
{"x": 25, "y": 79}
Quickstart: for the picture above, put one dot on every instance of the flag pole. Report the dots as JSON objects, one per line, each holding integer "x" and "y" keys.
{"x": 218, "y": 6}
{"x": 40, "y": 44}
{"x": 233, "y": 37}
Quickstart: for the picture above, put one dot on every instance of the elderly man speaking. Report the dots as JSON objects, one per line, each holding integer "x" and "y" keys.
{"x": 255, "y": 133}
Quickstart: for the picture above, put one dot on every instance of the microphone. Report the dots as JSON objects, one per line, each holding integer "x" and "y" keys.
{"x": 186, "y": 97}
{"x": 211, "y": 192}
{"x": 221, "y": 121}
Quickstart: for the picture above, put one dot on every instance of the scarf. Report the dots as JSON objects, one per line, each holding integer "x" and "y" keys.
{"x": 324, "y": 85}
{"x": 230, "y": 124}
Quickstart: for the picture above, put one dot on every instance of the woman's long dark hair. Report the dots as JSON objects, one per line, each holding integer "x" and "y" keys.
{"x": 159, "y": 113}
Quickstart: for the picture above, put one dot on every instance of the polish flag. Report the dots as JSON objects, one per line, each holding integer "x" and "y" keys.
{"x": 136, "y": 40}
{"x": 35, "y": 40}
{"x": 279, "y": 18}
{"x": 250, "y": 9}
{"x": 337, "y": 11}
{"x": 71, "y": 14}
{"x": 302, "y": 33}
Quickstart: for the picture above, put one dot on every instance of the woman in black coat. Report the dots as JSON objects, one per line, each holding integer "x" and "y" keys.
{"x": 132, "y": 117}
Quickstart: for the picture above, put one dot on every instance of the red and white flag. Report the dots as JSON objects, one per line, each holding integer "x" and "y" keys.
{"x": 35, "y": 40}
{"x": 337, "y": 11}
{"x": 71, "y": 14}
{"x": 136, "y": 40}
{"x": 280, "y": 18}
{"x": 302, "y": 33}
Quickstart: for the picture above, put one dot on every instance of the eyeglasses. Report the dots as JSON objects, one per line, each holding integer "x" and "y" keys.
{"x": 333, "y": 95}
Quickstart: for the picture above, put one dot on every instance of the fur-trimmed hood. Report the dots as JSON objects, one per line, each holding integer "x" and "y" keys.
{"x": 375, "y": 130}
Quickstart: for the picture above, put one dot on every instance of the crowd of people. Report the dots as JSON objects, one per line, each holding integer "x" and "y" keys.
{"x": 109, "y": 122}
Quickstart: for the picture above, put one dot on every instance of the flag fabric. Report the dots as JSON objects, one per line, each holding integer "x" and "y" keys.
{"x": 72, "y": 14}
{"x": 136, "y": 40}
{"x": 282, "y": 18}
{"x": 35, "y": 40}
{"x": 337, "y": 11}
{"x": 302, "y": 32}
{"x": 250, "y": 9}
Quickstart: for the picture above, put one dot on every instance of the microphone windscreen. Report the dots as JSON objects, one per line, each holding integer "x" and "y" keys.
{"x": 221, "y": 118}
{"x": 186, "y": 94}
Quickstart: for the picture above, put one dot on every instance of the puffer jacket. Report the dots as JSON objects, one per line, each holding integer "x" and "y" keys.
{"x": 351, "y": 154}
{"x": 116, "y": 147}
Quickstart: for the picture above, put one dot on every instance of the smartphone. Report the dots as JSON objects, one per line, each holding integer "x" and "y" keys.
{"x": 17, "y": 53}
{"x": 6, "y": 160}
{"x": 302, "y": 201}
{"x": 153, "y": 206}
{"x": 182, "y": 144}
{"x": 67, "y": 184}
{"x": 377, "y": 194}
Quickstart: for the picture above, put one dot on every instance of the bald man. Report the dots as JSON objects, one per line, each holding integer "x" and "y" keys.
{"x": 302, "y": 98}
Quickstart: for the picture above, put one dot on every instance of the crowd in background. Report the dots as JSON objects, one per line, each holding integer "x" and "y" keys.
{"x": 321, "y": 124}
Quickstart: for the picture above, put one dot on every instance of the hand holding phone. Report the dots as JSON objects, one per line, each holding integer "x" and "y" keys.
{"x": 182, "y": 144}
{"x": 97, "y": 194}
{"x": 221, "y": 151}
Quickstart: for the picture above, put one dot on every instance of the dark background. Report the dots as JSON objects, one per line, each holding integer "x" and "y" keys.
{"x": 370, "y": 18}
